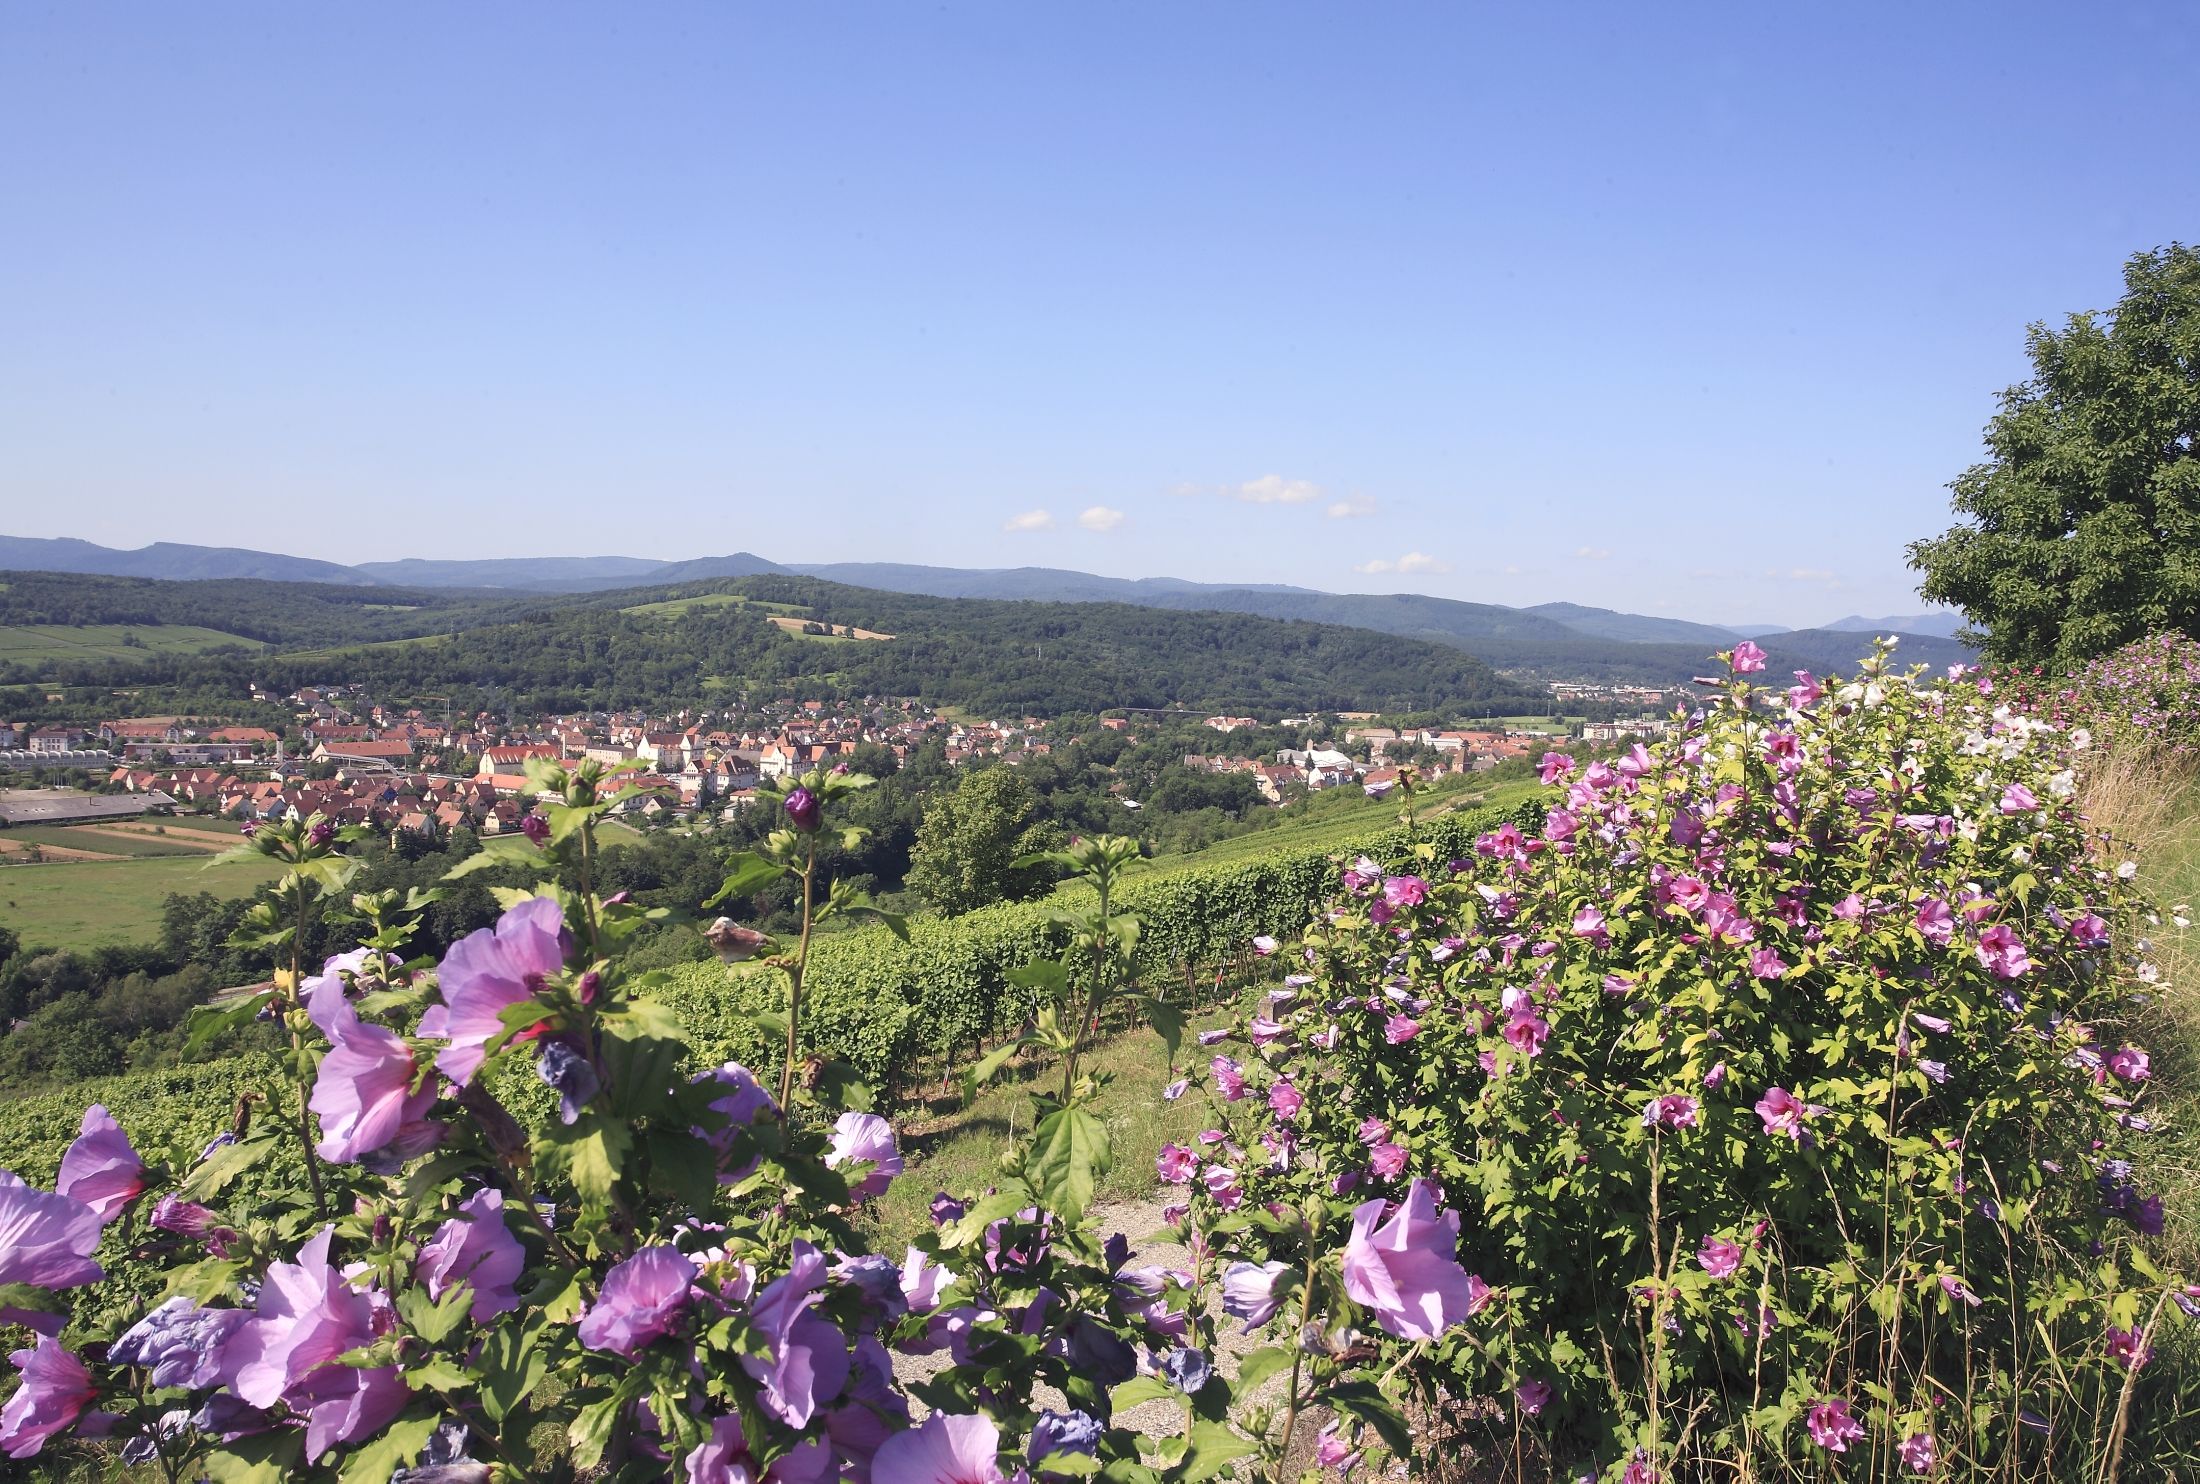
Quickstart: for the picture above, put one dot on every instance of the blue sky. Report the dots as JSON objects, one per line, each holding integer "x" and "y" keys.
{"x": 1690, "y": 309}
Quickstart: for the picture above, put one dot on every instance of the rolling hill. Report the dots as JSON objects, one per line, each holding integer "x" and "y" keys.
{"x": 167, "y": 560}
{"x": 414, "y": 597}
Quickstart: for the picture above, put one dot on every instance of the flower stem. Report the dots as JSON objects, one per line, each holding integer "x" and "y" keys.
{"x": 1298, "y": 1348}
{"x": 794, "y": 977}
{"x": 298, "y": 1049}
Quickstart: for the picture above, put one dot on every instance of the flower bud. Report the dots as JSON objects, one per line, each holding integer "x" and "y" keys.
{"x": 803, "y": 811}
{"x": 321, "y": 833}
{"x": 535, "y": 828}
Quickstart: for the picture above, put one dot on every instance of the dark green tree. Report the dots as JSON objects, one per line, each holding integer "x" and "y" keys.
{"x": 970, "y": 840}
{"x": 2082, "y": 530}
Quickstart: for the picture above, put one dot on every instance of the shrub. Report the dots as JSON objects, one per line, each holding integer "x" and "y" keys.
{"x": 2145, "y": 695}
{"x": 490, "y": 1226}
{"x": 1779, "y": 1077}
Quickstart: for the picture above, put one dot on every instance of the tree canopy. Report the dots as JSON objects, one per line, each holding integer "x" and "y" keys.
{"x": 2082, "y": 531}
{"x": 971, "y": 838}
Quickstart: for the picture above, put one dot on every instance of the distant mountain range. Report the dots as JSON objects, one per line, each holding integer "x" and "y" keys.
{"x": 1584, "y": 640}
{"x": 168, "y": 560}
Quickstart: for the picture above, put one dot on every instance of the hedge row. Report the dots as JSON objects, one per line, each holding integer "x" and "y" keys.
{"x": 879, "y": 1003}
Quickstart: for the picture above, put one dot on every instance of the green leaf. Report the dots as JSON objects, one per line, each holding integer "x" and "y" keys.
{"x": 390, "y": 1450}
{"x": 1361, "y": 1401}
{"x": 590, "y": 1154}
{"x": 565, "y": 820}
{"x": 29, "y": 1298}
{"x": 682, "y": 1166}
{"x": 522, "y": 1015}
{"x": 1168, "y": 1022}
{"x": 1069, "y": 1153}
{"x": 1258, "y": 1367}
{"x": 590, "y": 1431}
{"x": 1044, "y": 974}
{"x": 208, "y": 1023}
{"x": 263, "y": 1458}
{"x": 894, "y": 922}
{"x": 435, "y": 1321}
{"x": 641, "y": 1051}
{"x": 512, "y": 1363}
{"x": 971, "y": 1227}
{"x": 497, "y": 850}
{"x": 991, "y": 1063}
{"x": 1138, "y": 1391}
{"x": 838, "y": 1086}
{"x": 438, "y": 1373}
{"x": 228, "y": 1162}
{"x": 1215, "y": 1446}
{"x": 749, "y": 874}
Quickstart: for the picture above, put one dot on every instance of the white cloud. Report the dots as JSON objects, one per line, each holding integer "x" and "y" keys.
{"x": 1100, "y": 518}
{"x": 1274, "y": 489}
{"x": 1030, "y": 520}
{"x": 1411, "y": 562}
{"x": 1350, "y": 508}
{"x": 1591, "y": 553}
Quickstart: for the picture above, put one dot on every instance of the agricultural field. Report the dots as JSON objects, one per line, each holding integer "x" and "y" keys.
{"x": 796, "y": 627}
{"x": 36, "y": 644}
{"x": 98, "y": 903}
{"x": 677, "y": 607}
{"x": 108, "y": 839}
{"x": 195, "y": 824}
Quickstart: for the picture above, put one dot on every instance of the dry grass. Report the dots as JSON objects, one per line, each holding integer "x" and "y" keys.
{"x": 2149, "y": 806}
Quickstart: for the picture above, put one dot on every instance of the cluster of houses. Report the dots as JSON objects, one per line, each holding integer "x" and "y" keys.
{"x": 1316, "y": 768}
{"x": 402, "y": 769}
{"x": 357, "y": 761}
{"x": 1648, "y": 697}
{"x": 166, "y": 738}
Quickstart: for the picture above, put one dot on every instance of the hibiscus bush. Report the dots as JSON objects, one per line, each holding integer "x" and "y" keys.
{"x": 1778, "y": 1089}
{"x": 492, "y": 1218}
{"x": 2140, "y": 701}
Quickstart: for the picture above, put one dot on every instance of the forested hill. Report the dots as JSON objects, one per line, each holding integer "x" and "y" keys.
{"x": 684, "y": 644}
{"x": 287, "y": 615}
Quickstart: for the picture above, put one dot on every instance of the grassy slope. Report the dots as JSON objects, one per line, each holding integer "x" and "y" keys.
{"x": 1344, "y": 819}
{"x": 949, "y": 1147}
{"x": 90, "y": 904}
{"x": 30, "y": 644}
{"x": 2161, "y": 820}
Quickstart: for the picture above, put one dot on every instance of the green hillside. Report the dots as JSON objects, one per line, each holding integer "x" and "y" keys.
{"x": 45, "y": 644}
{"x": 653, "y": 646}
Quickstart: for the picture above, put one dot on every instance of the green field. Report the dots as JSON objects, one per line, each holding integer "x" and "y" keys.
{"x": 674, "y": 607}
{"x": 92, "y": 904}
{"x": 331, "y": 653}
{"x": 36, "y": 644}
{"x": 196, "y": 823}
{"x": 73, "y": 838}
